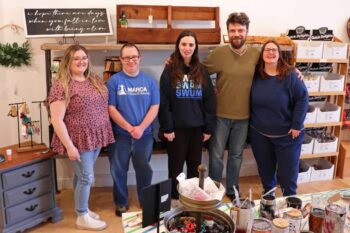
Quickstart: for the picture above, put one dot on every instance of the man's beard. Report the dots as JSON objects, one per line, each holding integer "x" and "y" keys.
{"x": 237, "y": 44}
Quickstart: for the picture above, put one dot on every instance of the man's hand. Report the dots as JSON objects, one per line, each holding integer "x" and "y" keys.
{"x": 300, "y": 75}
{"x": 136, "y": 132}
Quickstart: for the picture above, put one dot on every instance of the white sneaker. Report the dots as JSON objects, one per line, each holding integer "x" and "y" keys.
{"x": 86, "y": 222}
{"x": 93, "y": 214}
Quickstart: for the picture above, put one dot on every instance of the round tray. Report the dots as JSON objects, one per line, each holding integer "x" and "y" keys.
{"x": 218, "y": 215}
{"x": 200, "y": 205}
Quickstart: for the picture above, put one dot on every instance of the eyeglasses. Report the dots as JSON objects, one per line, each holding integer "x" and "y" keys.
{"x": 80, "y": 58}
{"x": 267, "y": 50}
{"x": 127, "y": 59}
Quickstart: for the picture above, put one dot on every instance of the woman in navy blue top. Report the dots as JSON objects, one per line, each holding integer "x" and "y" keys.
{"x": 279, "y": 101}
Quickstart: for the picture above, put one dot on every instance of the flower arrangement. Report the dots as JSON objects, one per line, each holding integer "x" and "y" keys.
{"x": 13, "y": 55}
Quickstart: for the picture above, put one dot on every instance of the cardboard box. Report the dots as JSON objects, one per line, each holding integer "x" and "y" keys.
{"x": 324, "y": 171}
{"x": 335, "y": 50}
{"x": 325, "y": 147}
{"x": 304, "y": 172}
{"x": 312, "y": 82}
{"x": 309, "y": 49}
{"x": 310, "y": 115}
{"x": 308, "y": 145}
{"x": 331, "y": 82}
{"x": 326, "y": 112}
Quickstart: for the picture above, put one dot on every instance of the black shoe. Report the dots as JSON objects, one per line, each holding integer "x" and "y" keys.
{"x": 120, "y": 210}
{"x": 231, "y": 196}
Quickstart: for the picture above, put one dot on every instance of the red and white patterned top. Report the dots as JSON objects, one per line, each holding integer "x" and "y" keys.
{"x": 86, "y": 116}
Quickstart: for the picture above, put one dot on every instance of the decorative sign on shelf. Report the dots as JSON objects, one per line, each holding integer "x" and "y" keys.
{"x": 54, "y": 22}
{"x": 322, "y": 34}
{"x": 299, "y": 33}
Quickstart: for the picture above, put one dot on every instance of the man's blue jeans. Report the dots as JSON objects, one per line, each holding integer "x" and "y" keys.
{"x": 83, "y": 179}
{"x": 140, "y": 152}
{"x": 233, "y": 132}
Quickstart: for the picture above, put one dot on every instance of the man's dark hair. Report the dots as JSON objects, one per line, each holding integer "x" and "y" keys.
{"x": 240, "y": 18}
{"x": 128, "y": 45}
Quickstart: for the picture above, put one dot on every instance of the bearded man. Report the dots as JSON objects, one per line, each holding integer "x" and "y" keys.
{"x": 234, "y": 65}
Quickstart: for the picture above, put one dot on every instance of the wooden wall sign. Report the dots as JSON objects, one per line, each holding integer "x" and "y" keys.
{"x": 54, "y": 22}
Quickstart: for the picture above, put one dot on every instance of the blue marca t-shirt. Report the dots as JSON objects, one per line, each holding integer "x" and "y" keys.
{"x": 132, "y": 97}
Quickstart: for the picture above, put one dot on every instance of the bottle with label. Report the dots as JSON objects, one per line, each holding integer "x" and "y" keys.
{"x": 123, "y": 20}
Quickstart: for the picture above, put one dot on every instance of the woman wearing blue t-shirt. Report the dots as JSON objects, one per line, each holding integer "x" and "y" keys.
{"x": 279, "y": 101}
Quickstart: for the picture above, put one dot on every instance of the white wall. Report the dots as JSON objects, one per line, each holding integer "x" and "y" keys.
{"x": 270, "y": 17}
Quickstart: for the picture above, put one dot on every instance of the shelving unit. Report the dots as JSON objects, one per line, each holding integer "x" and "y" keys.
{"x": 336, "y": 97}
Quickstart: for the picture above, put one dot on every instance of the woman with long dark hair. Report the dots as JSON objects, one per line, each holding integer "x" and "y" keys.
{"x": 187, "y": 108}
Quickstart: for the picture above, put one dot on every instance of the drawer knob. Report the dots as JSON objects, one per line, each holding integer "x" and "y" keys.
{"x": 29, "y": 191}
{"x": 31, "y": 208}
{"x": 28, "y": 174}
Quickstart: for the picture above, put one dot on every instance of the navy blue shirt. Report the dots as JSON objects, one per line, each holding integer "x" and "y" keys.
{"x": 187, "y": 105}
{"x": 278, "y": 105}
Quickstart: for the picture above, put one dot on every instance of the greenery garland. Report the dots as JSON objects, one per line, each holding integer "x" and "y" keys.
{"x": 15, "y": 55}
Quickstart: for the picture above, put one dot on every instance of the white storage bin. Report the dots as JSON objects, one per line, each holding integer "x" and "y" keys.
{"x": 304, "y": 172}
{"x": 332, "y": 82}
{"x": 324, "y": 171}
{"x": 310, "y": 115}
{"x": 309, "y": 49}
{"x": 312, "y": 82}
{"x": 326, "y": 112}
{"x": 308, "y": 145}
{"x": 335, "y": 50}
{"x": 325, "y": 147}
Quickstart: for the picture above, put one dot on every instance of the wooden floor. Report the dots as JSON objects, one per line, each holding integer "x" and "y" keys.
{"x": 101, "y": 202}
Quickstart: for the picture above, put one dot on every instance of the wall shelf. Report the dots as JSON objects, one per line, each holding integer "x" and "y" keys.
{"x": 320, "y": 155}
{"x": 330, "y": 93}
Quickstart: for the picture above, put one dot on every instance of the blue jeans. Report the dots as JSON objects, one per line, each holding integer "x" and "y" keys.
{"x": 140, "y": 152}
{"x": 83, "y": 179}
{"x": 233, "y": 132}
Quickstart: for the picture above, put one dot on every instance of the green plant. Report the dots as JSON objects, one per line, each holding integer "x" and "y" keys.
{"x": 15, "y": 55}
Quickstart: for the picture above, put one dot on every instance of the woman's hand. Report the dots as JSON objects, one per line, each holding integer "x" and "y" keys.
{"x": 294, "y": 133}
{"x": 206, "y": 137}
{"x": 73, "y": 153}
{"x": 169, "y": 136}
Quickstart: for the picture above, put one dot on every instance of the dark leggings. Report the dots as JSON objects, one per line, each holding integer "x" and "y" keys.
{"x": 186, "y": 147}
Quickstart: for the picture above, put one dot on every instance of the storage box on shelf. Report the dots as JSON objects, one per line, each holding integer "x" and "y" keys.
{"x": 308, "y": 145}
{"x": 330, "y": 86}
{"x": 322, "y": 169}
{"x": 304, "y": 172}
{"x": 334, "y": 50}
{"x": 309, "y": 49}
